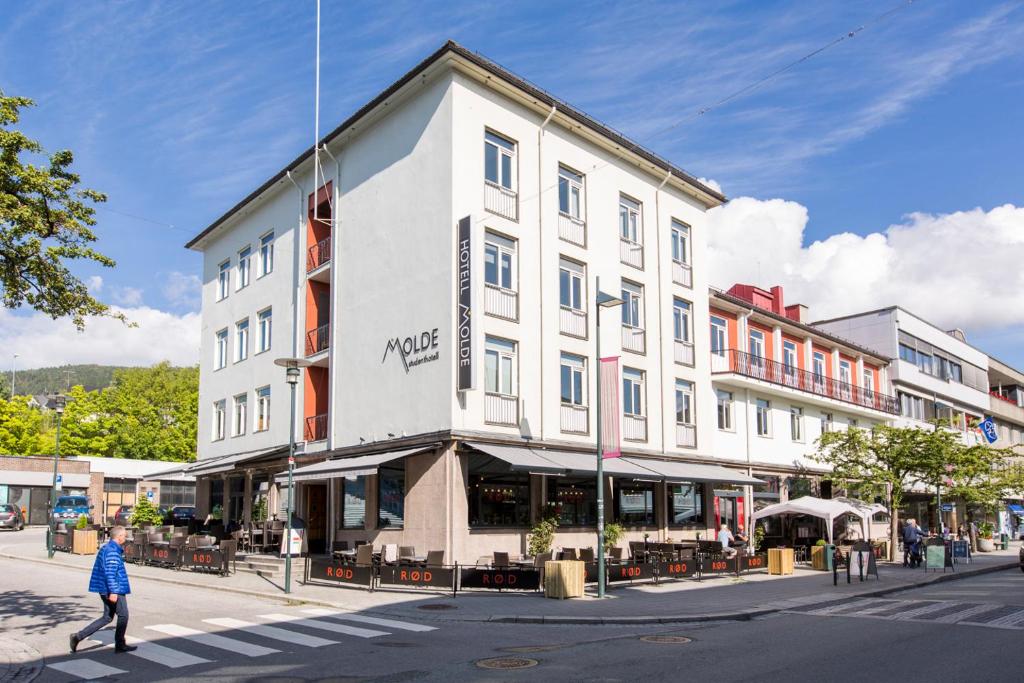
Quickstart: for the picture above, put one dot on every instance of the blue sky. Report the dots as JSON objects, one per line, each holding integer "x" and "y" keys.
{"x": 178, "y": 109}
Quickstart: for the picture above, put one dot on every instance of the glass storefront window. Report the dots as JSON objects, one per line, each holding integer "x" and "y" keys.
{"x": 799, "y": 487}
{"x": 502, "y": 500}
{"x": 686, "y": 505}
{"x": 353, "y": 503}
{"x": 391, "y": 497}
{"x": 573, "y": 501}
{"x": 635, "y": 505}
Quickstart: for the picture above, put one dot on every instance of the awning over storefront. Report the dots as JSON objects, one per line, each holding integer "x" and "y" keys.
{"x": 19, "y": 478}
{"x": 1016, "y": 509}
{"x": 360, "y": 465}
{"x": 230, "y": 462}
{"x": 520, "y": 459}
{"x": 675, "y": 471}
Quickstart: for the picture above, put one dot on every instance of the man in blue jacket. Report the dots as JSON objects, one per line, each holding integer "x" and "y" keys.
{"x": 110, "y": 580}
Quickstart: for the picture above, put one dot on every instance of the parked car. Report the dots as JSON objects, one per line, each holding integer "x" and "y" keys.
{"x": 181, "y": 515}
{"x": 123, "y": 516}
{"x": 69, "y": 508}
{"x": 11, "y": 517}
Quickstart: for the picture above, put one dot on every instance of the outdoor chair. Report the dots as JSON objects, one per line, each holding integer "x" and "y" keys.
{"x": 364, "y": 556}
{"x": 587, "y": 555}
{"x": 638, "y": 551}
{"x": 435, "y": 558}
{"x": 228, "y": 550}
{"x": 338, "y": 546}
{"x": 500, "y": 560}
{"x": 406, "y": 551}
{"x": 616, "y": 553}
{"x": 389, "y": 553}
{"x": 569, "y": 554}
{"x": 540, "y": 559}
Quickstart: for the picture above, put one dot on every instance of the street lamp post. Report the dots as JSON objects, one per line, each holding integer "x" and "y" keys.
{"x": 59, "y": 403}
{"x": 603, "y": 301}
{"x": 293, "y": 370}
{"x": 14, "y": 365}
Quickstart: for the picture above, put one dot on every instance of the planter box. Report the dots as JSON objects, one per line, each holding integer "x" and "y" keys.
{"x": 84, "y": 542}
{"x": 821, "y": 557}
{"x": 986, "y": 545}
{"x": 780, "y": 561}
{"x": 564, "y": 579}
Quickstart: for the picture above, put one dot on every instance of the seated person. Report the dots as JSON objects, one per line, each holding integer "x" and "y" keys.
{"x": 726, "y": 538}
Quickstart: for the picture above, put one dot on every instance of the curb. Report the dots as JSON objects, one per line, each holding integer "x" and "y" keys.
{"x": 19, "y": 663}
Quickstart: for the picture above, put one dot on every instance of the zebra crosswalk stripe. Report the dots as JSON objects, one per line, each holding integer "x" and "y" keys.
{"x": 324, "y": 625}
{"x": 924, "y": 609}
{"x": 213, "y": 640}
{"x": 848, "y": 607}
{"x": 966, "y": 613}
{"x": 272, "y": 632}
{"x": 86, "y": 669}
{"x": 386, "y": 623}
{"x": 174, "y": 659}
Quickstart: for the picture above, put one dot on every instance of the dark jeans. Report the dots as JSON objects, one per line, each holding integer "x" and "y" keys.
{"x": 110, "y": 608}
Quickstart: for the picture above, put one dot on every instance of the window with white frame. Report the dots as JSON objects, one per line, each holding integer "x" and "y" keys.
{"x": 633, "y": 305}
{"x": 819, "y": 366}
{"x": 632, "y": 392}
{"x": 680, "y": 238}
{"x": 789, "y": 358}
{"x": 756, "y": 344}
{"x": 223, "y": 279}
{"x": 573, "y": 379}
{"x": 684, "y": 402}
{"x": 241, "y": 404}
{"x": 826, "y": 422}
{"x": 719, "y": 335}
{"x": 571, "y": 276}
{"x": 570, "y": 193}
{"x": 499, "y": 261}
{"x": 220, "y": 351}
{"x": 763, "y": 411}
{"x": 869, "y": 381}
{"x": 262, "y": 423}
{"x": 266, "y": 324}
{"x": 725, "y": 404}
{"x": 681, "y": 311}
{"x": 911, "y": 406}
{"x": 796, "y": 423}
{"x": 241, "y": 340}
{"x": 500, "y": 366}
{"x": 266, "y": 254}
{"x": 499, "y": 160}
{"x": 218, "y": 419}
{"x": 844, "y": 372}
{"x": 244, "y": 264}
{"x": 630, "y": 227}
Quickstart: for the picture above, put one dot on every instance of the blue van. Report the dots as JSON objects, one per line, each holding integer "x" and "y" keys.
{"x": 69, "y": 508}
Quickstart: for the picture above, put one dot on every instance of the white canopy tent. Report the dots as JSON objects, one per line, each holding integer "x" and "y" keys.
{"x": 829, "y": 510}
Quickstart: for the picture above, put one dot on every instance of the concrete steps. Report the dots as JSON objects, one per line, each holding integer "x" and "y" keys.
{"x": 269, "y": 566}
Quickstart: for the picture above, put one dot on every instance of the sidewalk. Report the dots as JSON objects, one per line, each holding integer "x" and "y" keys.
{"x": 687, "y": 600}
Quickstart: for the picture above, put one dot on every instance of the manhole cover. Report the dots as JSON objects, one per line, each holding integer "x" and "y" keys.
{"x": 506, "y": 663}
{"x": 437, "y": 607}
{"x": 666, "y": 640}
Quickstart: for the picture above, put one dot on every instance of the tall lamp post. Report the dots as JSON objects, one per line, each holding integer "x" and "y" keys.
{"x": 293, "y": 370}
{"x": 603, "y": 301}
{"x": 58, "y": 407}
{"x": 14, "y": 366}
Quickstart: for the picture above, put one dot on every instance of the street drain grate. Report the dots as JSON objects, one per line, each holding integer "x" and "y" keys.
{"x": 506, "y": 663}
{"x": 666, "y": 640}
{"x": 437, "y": 608}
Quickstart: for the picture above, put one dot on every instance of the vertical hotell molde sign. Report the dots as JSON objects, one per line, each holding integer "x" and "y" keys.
{"x": 464, "y": 307}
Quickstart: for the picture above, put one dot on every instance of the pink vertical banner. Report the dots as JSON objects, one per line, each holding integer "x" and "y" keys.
{"x": 610, "y": 407}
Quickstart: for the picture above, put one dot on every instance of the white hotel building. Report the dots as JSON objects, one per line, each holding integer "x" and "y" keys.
{"x": 421, "y": 442}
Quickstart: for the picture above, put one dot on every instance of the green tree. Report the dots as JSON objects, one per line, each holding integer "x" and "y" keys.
{"x": 87, "y": 428}
{"x": 155, "y": 412}
{"x": 20, "y": 427}
{"x": 45, "y": 222}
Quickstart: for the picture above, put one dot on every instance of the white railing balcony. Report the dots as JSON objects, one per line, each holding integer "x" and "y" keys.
{"x": 634, "y": 427}
{"x": 682, "y": 274}
{"x": 573, "y": 322}
{"x": 686, "y": 435}
{"x": 684, "y": 352}
{"x": 575, "y": 419}
{"x": 501, "y": 409}
{"x": 719, "y": 362}
{"x": 501, "y": 200}
{"x": 572, "y": 229}
{"x": 501, "y": 302}
{"x": 631, "y": 253}
{"x": 633, "y": 339}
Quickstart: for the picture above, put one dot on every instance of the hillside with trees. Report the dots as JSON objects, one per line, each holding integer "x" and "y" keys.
{"x": 59, "y": 379}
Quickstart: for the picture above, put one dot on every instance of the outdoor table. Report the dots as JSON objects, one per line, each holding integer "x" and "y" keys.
{"x": 415, "y": 559}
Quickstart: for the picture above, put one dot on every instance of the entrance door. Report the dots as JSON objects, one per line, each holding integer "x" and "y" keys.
{"x": 39, "y": 503}
{"x": 316, "y": 518}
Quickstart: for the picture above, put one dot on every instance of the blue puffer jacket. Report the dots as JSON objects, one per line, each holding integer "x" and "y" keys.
{"x": 108, "y": 572}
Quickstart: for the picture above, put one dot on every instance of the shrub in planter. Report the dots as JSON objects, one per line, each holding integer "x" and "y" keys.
{"x": 542, "y": 536}
{"x": 613, "y": 533}
{"x": 83, "y": 522}
{"x": 145, "y": 513}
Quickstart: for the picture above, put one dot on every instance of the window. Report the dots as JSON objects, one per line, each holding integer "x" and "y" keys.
{"x": 956, "y": 372}
{"x": 680, "y": 238}
{"x": 172, "y": 495}
{"x": 353, "y": 503}
{"x": 819, "y": 366}
{"x": 681, "y": 320}
{"x": 632, "y": 391}
{"x": 244, "y": 262}
{"x": 632, "y": 307}
{"x": 573, "y": 501}
{"x": 262, "y": 409}
{"x": 853, "y": 423}
{"x": 629, "y": 220}
{"x": 924, "y": 363}
{"x": 686, "y": 505}
{"x": 684, "y": 402}
{"x": 869, "y": 381}
{"x": 719, "y": 335}
{"x": 240, "y": 403}
{"x": 241, "y": 340}
{"x": 266, "y": 254}
{"x": 756, "y": 344}
{"x": 789, "y": 359}
{"x": 570, "y": 192}
{"x": 908, "y": 354}
{"x": 499, "y": 259}
{"x": 497, "y": 498}
{"x": 218, "y": 419}
{"x": 391, "y": 496}
{"x": 499, "y": 160}
{"x": 724, "y": 409}
{"x": 796, "y": 423}
{"x": 844, "y": 372}
{"x": 826, "y": 422}
{"x": 220, "y": 354}
{"x": 574, "y": 371}
{"x": 500, "y": 366}
{"x": 911, "y": 406}
{"x": 570, "y": 285}
{"x": 635, "y": 503}
{"x": 265, "y": 318}
{"x": 764, "y": 417}
{"x": 223, "y": 280}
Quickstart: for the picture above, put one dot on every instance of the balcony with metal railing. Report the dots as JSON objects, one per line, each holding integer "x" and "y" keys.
{"x": 1006, "y": 408}
{"x": 501, "y": 409}
{"x": 682, "y": 274}
{"x": 683, "y": 352}
{"x": 318, "y": 255}
{"x": 572, "y": 229}
{"x": 318, "y": 340}
{"x": 501, "y": 200}
{"x": 501, "y": 302}
{"x": 634, "y": 427}
{"x": 686, "y": 435}
{"x": 633, "y": 339}
{"x": 575, "y": 419}
{"x": 631, "y": 253}
{"x": 316, "y": 427}
{"x": 573, "y": 322}
{"x": 755, "y": 367}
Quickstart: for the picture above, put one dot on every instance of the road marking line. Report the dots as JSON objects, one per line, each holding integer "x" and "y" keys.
{"x": 387, "y": 623}
{"x": 86, "y": 669}
{"x": 213, "y": 640}
{"x": 933, "y": 607}
{"x": 877, "y": 608}
{"x": 325, "y": 625}
{"x": 153, "y": 652}
{"x": 272, "y": 632}
{"x": 962, "y": 614}
{"x": 852, "y": 606}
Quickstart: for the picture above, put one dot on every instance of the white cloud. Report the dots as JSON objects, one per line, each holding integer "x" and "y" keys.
{"x": 183, "y": 290}
{"x": 94, "y": 283}
{"x": 958, "y": 269}
{"x": 42, "y": 342}
{"x": 127, "y": 296}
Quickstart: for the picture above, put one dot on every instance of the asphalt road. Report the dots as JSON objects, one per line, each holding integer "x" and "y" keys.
{"x": 968, "y": 630}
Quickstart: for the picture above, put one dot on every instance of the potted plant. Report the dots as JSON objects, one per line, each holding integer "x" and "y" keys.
{"x": 986, "y": 531}
{"x": 145, "y": 514}
{"x": 84, "y": 540}
{"x": 542, "y": 536}
{"x": 613, "y": 533}
{"x": 821, "y": 555}
{"x": 758, "y": 537}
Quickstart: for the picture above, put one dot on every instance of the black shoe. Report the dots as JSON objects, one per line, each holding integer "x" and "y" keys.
{"x": 126, "y": 648}
{"x": 73, "y": 640}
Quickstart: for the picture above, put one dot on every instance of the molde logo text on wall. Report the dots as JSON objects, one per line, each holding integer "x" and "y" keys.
{"x": 413, "y": 350}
